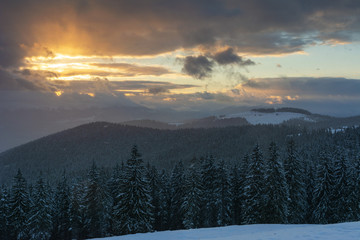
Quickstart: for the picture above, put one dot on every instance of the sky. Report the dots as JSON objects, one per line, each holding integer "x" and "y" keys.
{"x": 183, "y": 55}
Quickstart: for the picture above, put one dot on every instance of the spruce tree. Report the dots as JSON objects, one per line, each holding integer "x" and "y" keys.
{"x": 340, "y": 201}
{"x": 96, "y": 205}
{"x": 276, "y": 191}
{"x": 78, "y": 209}
{"x": 254, "y": 187}
{"x": 134, "y": 207}
{"x": 165, "y": 201}
{"x": 210, "y": 182}
{"x": 115, "y": 184}
{"x": 236, "y": 192}
{"x": 191, "y": 202}
{"x": 153, "y": 176}
{"x": 62, "y": 218}
{"x": 19, "y": 208}
{"x": 223, "y": 203}
{"x": 40, "y": 220}
{"x": 177, "y": 182}
{"x": 4, "y": 213}
{"x": 354, "y": 189}
{"x": 323, "y": 190}
{"x": 294, "y": 173}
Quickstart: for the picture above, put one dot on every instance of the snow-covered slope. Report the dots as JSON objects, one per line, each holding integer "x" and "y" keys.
{"x": 254, "y": 117}
{"x": 343, "y": 231}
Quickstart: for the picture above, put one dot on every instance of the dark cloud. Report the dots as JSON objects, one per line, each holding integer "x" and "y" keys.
{"x": 13, "y": 82}
{"x": 228, "y": 56}
{"x": 11, "y": 54}
{"x": 158, "y": 90}
{"x": 142, "y": 27}
{"x": 316, "y": 87}
{"x": 198, "y": 67}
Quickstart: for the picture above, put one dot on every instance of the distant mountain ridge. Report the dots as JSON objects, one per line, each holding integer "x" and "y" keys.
{"x": 286, "y": 115}
{"x": 284, "y": 109}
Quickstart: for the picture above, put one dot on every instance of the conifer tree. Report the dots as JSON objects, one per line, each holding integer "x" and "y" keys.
{"x": 210, "y": 182}
{"x": 153, "y": 176}
{"x": 223, "y": 193}
{"x": 165, "y": 201}
{"x": 294, "y": 173}
{"x": 96, "y": 205}
{"x": 62, "y": 218}
{"x": 323, "y": 189}
{"x": 354, "y": 189}
{"x": 115, "y": 184}
{"x": 191, "y": 202}
{"x": 254, "y": 187}
{"x": 40, "y": 220}
{"x": 177, "y": 194}
{"x": 4, "y": 213}
{"x": 77, "y": 209}
{"x": 19, "y": 208}
{"x": 236, "y": 192}
{"x": 276, "y": 191}
{"x": 134, "y": 208}
{"x": 339, "y": 199}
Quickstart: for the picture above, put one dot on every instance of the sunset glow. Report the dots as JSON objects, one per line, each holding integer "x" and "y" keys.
{"x": 221, "y": 54}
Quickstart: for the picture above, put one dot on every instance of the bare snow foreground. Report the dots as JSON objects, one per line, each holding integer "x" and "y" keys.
{"x": 343, "y": 231}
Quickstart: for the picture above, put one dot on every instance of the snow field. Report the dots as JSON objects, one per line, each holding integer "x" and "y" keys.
{"x": 341, "y": 231}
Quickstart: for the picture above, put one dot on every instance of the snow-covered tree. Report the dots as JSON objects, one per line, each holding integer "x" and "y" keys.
{"x": 191, "y": 202}
{"x": 77, "y": 209}
{"x": 40, "y": 220}
{"x": 153, "y": 176}
{"x": 96, "y": 205}
{"x": 165, "y": 201}
{"x": 223, "y": 203}
{"x": 61, "y": 216}
{"x": 294, "y": 173}
{"x": 276, "y": 191}
{"x": 134, "y": 207}
{"x": 4, "y": 213}
{"x": 236, "y": 194}
{"x": 19, "y": 208}
{"x": 340, "y": 200}
{"x": 323, "y": 189}
{"x": 254, "y": 187}
{"x": 177, "y": 182}
{"x": 210, "y": 180}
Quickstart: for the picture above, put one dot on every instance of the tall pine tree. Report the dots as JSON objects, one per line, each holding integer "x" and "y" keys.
{"x": 254, "y": 187}
{"x": 294, "y": 173}
{"x": 134, "y": 207}
{"x": 40, "y": 220}
{"x": 191, "y": 202}
{"x": 177, "y": 194}
{"x": 61, "y": 217}
{"x": 4, "y": 213}
{"x": 323, "y": 190}
{"x": 276, "y": 191}
{"x": 19, "y": 208}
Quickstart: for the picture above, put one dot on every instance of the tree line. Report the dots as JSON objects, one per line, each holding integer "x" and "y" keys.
{"x": 270, "y": 184}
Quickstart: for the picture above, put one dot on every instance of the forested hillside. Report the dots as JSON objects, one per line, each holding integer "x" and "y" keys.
{"x": 108, "y": 144}
{"x": 305, "y": 178}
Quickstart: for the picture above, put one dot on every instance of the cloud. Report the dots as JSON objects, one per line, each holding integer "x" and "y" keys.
{"x": 315, "y": 87}
{"x": 14, "y": 82}
{"x": 157, "y": 90}
{"x": 228, "y": 56}
{"x": 134, "y": 69}
{"x": 142, "y": 27}
{"x": 199, "y": 67}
